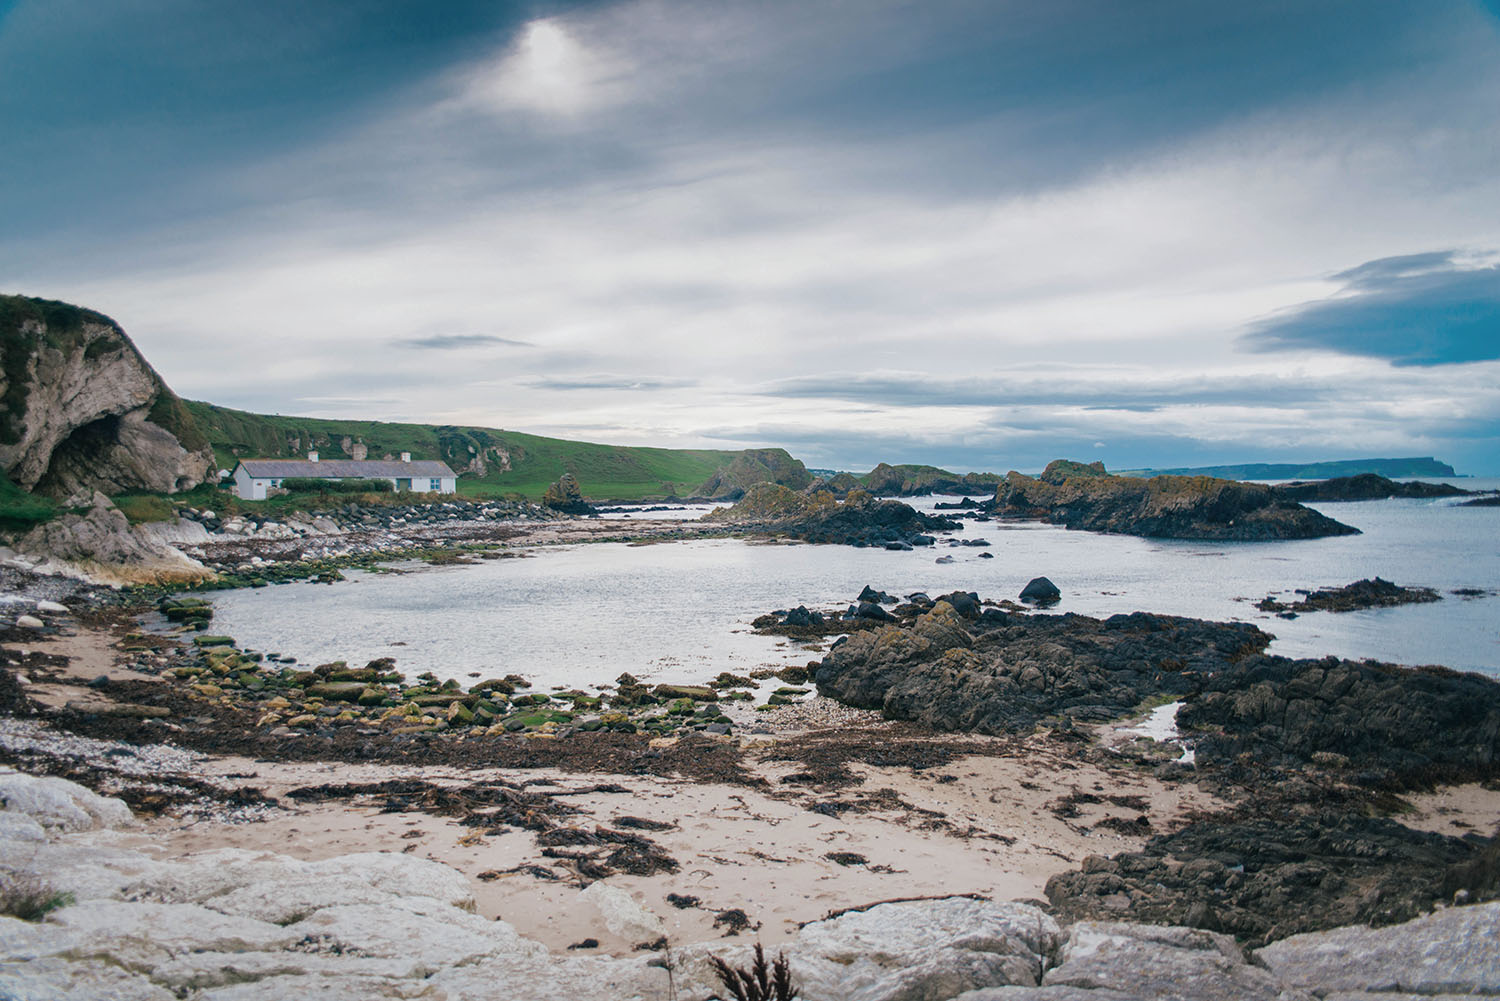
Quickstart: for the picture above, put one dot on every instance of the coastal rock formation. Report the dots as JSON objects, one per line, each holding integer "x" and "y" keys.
{"x": 83, "y": 411}
{"x": 98, "y": 542}
{"x": 1366, "y": 486}
{"x": 1376, "y": 593}
{"x": 1002, "y": 672}
{"x": 1398, "y": 724}
{"x": 1169, "y": 507}
{"x": 911, "y": 481}
{"x": 751, "y": 467}
{"x": 859, "y": 520}
{"x": 566, "y": 497}
{"x": 1263, "y": 878}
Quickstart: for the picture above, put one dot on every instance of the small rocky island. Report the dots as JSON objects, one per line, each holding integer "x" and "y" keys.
{"x": 1087, "y": 497}
{"x": 858, "y": 520}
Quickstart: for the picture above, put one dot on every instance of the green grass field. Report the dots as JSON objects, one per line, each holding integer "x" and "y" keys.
{"x": 603, "y": 471}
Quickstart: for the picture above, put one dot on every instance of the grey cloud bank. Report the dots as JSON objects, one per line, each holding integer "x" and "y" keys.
{"x": 961, "y": 232}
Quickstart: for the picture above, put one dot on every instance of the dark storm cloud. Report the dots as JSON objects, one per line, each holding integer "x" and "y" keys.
{"x": 1417, "y": 309}
{"x": 141, "y": 111}
{"x": 128, "y": 110}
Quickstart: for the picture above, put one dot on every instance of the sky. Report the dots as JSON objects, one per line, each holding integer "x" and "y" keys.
{"x": 977, "y": 233}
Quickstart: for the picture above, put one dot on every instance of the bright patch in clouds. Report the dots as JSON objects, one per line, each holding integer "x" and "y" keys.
{"x": 549, "y": 71}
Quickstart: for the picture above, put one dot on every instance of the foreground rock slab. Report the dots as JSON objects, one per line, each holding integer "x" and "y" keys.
{"x": 1456, "y": 951}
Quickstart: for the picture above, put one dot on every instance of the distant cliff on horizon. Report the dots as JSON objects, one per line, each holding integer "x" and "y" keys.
{"x": 1414, "y": 466}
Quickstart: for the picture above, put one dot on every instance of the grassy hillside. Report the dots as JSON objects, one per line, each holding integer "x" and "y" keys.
{"x": 490, "y": 462}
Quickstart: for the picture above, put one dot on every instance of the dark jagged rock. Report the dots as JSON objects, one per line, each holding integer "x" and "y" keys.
{"x": 1002, "y": 672}
{"x": 1171, "y": 507}
{"x": 869, "y": 610}
{"x": 965, "y": 603}
{"x": 566, "y": 496}
{"x": 1492, "y": 500}
{"x": 1366, "y": 486}
{"x": 800, "y": 616}
{"x": 1389, "y": 725}
{"x": 860, "y": 520}
{"x": 880, "y": 597}
{"x": 1264, "y": 878}
{"x": 1041, "y": 591}
{"x": 1377, "y": 593}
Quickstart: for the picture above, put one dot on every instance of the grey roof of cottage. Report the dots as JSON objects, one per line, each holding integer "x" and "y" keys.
{"x": 280, "y": 469}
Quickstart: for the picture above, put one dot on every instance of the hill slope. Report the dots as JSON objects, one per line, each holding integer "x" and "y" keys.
{"x": 489, "y": 461}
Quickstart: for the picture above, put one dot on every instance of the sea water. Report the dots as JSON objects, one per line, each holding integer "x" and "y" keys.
{"x": 579, "y": 615}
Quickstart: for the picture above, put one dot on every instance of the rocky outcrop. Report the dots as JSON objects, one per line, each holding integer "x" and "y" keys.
{"x": 911, "y": 481}
{"x": 566, "y": 497}
{"x": 1262, "y": 878}
{"x": 751, "y": 467}
{"x": 100, "y": 544}
{"x": 1169, "y": 507}
{"x": 1376, "y": 593}
{"x": 1400, "y": 725}
{"x": 83, "y": 411}
{"x": 1001, "y": 673}
{"x": 859, "y": 520}
{"x": 1366, "y": 486}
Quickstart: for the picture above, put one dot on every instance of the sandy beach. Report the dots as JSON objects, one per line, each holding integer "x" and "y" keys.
{"x": 785, "y": 848}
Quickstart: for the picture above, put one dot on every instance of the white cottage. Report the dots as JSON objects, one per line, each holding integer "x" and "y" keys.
{"x": 253, "y": 478}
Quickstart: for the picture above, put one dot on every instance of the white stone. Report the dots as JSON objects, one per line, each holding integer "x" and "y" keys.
{"x": 283, "y": 890}
{"x": 58, "y": 804}
{"x": 130, "y": 931}
{"x": 1453, "y": 951}
{"x": 29, "y": 622}
{"x": 433, "y": 936}
{"x": 55, "y": 979}
{"x": 52, "y": 607}
{"x": 319, "y": 988}
{"x": 622, "y": 914}
{"x": 203, "y": 970}
{"x": 1159, "y": 962}
{"x": 556, "y": 977}
{"x": 901, "y": 952}
{"x": 17, "y": 828}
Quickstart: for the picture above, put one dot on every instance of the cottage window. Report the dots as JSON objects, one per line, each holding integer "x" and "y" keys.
{"x": 437, "y": 484}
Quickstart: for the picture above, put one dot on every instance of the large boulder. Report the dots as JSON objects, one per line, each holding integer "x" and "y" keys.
{"x": 1454, "y": 951}
{"x": 1162, "y": 963}
{"x": 80, "y": 409}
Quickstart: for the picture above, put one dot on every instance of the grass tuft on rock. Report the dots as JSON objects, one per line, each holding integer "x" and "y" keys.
{"x": 29, "y": 898}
